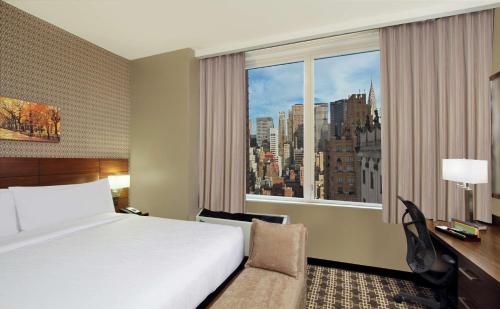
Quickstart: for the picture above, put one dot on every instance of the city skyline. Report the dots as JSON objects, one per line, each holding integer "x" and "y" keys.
{"x": 276, "y": 88}
{"x": 347, "y": 129}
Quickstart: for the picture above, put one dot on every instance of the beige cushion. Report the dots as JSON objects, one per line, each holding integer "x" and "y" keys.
{"x": 261, "y": 289}
{"x": 277, "y": 247}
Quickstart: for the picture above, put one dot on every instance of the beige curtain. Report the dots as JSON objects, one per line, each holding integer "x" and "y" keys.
{"x": 435, "y": 105}
{"x": 222, "y": 133}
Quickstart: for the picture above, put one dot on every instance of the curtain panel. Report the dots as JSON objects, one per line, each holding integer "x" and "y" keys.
{"x": 223, "y": 114}
{"x": 435, "y": 105}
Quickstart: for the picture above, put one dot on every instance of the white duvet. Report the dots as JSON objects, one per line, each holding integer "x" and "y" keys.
{"x": 117, "y": 261}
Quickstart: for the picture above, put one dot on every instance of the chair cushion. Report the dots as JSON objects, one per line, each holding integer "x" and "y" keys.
{"x": 258, "y": 289}
{"x": 276, "y": 247}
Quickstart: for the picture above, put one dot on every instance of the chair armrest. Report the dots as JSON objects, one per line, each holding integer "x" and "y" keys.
{"x": 448, "y": 259}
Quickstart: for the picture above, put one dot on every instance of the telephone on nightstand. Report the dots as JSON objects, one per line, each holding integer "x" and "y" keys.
{"x": 131, "y": 210}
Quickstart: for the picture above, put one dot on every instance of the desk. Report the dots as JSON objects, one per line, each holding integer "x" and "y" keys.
{"x": 478, "y": 266}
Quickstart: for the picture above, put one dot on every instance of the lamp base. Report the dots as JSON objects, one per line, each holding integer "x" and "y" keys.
{"x": 116, "y": 196}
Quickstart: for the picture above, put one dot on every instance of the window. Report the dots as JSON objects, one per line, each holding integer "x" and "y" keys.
{"x": 276, "y": 126}
{"x": 314, "y": 119}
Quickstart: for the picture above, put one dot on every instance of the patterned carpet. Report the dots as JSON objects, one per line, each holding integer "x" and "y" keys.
{"x": 336, "y": 288}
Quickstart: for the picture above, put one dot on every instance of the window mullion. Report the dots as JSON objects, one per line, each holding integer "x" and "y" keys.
{"x": 308, "y": 130}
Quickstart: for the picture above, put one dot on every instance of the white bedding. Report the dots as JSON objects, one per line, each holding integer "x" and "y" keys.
{"x": 117, "y": 261}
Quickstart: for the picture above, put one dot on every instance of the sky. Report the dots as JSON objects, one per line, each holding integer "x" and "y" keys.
{"x": 275, "y": 88}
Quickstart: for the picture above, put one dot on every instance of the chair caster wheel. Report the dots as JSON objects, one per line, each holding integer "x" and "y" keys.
{"x": 398, "y": 299}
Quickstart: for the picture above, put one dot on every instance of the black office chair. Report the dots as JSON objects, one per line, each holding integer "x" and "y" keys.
{"x": 438, "y": 271}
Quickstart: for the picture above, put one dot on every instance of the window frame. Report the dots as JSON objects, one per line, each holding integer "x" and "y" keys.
{"x": 307, "y": 52}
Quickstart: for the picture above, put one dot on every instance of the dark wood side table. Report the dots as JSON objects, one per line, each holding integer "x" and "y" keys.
{"x": 478, "y": 266}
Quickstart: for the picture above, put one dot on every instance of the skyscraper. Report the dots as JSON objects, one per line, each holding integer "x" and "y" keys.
{"x": 343, "y": 171}
{"x": 356, "y": 111}
{"x": 281, "y": 136}
{"x": 298, "y": 137}
{"x": 298, "y": 116}
{"x": 372, "y": 101}
{"x": 263, "y": 126}
{"x": 298, "y": 157}
{"x": 337, "y": 116}
{"x": 297, "y": 126}
{"x": 320, "y": 123}
{"x": 343, "y": 174}
{"x": 286, "y": 154}
{"x": 274, "y": 141}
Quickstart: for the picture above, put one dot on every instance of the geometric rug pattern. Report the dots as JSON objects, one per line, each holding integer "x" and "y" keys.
{"x": 329, "y": 288}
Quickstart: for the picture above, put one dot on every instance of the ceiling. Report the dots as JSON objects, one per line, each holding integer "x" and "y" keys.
{"x": 139, "y": 28}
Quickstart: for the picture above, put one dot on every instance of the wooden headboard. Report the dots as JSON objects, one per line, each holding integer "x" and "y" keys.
{"x": 60, "y": 171}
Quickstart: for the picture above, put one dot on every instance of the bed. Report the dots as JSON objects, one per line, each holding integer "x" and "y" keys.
{"x": 103, "y": 259}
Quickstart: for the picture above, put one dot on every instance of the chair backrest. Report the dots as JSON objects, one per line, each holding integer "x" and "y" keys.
{"x": 420, "y": 252}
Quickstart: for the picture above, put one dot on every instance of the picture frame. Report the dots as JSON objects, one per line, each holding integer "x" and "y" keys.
{"x": 22, "y": 120}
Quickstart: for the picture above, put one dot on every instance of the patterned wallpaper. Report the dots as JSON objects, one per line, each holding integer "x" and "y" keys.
{"x": 42, "y": 63}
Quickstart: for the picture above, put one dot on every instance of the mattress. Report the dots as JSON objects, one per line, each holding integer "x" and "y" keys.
{"x": 117, "y": 261}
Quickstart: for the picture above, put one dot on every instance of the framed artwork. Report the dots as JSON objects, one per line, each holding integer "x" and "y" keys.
{"x": 29, "y": 121}
{"x": 495, "y": 135}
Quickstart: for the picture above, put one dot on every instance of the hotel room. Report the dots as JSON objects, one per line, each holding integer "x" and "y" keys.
{"x": 249, "y": 154}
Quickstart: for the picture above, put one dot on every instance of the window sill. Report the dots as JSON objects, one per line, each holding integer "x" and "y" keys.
{"x": 303, "y": 202}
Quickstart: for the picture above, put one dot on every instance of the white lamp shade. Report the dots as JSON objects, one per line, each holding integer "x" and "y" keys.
{"x": 465, "y": 170}
{"x": 119, "y": 181}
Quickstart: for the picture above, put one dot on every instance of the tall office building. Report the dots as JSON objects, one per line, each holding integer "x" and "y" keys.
{"x": 372, "y": 101}
{"x": 298, "y": 137}
{"x": 343, "y": 175}
{"x": 274, "y": 142}
{"x": 319, "y": 175}
{"x": 286, "y": 154}
{"x": 343, "y": 171}
{"x": 297, "y": 118}
{"x": 296, "y": 127}
{"x": 282, "y": 125}
{"x": 337, "y": 115}
{"x": 356, "y": 111}
{"x": 298, "y": 157}
{"x": 263, "y": 126}
{"x": 320, "y": 124}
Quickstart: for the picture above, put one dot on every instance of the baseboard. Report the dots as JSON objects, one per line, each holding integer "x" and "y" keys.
{"x": 397, "y": 274}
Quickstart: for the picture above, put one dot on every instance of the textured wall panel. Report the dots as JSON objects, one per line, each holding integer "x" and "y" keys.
{"x": 42, "y": 63}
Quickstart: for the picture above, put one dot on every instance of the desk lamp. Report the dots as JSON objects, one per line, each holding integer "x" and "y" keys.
{"x": 466, "y": 172}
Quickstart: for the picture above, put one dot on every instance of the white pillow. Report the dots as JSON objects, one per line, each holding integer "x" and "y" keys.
{"x": 8, "y": 217}
{"x": 43, "y": 206}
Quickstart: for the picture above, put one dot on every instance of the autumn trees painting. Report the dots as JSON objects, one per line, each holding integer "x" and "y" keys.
{"x": 28, "y": 121}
